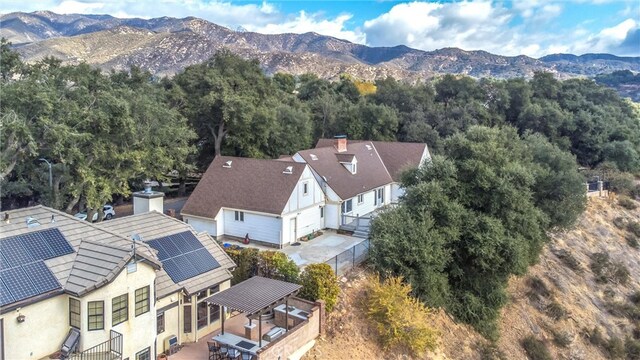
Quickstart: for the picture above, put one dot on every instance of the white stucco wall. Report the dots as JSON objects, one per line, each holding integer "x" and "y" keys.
{"x": 143, "y": 204}
{"x": 43, "y": 331}
{"x": 47, "y": 322}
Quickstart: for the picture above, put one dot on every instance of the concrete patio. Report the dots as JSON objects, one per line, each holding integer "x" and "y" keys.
{"x": 317, "y": 250}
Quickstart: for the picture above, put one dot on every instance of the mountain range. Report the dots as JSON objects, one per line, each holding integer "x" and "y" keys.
{"x": 166, "y": 45}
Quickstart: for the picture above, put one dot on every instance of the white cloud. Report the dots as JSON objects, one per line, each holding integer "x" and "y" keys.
{"x": 623, "y": 39}
{"x": 304, "y": 22}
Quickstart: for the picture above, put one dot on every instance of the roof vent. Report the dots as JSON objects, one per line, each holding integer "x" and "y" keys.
{"x": 227, "y": 164}
{"x": 32, "y": 222}
{"x": 53, "y": 218}
{"x": 288, "y": 170}
{"x": 147, "y": 187}
{"x": 313, "y": 157}
{"x": 6, "y": 218}
{"x": 368, "y": 147}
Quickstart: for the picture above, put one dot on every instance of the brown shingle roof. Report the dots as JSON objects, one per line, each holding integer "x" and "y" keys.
{"x": 371, "y": 172}
{"x": 396, "y": 156}
{"x": 248, "y": 184}
{"x": 399, "y": 156}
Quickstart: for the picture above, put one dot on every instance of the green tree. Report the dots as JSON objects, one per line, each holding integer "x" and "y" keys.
{"x": 319, "y": 282}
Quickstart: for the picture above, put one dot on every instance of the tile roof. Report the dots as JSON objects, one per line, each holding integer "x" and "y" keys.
{"x": 371, "y": 172}
{"x": 248, "y": 184}
{"x": 94, "y": 248}
{"x": 254, "y": 294}
{"x": 153, "y": 225}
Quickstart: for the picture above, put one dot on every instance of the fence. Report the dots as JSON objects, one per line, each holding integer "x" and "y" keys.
{"x": 349, "y": 258}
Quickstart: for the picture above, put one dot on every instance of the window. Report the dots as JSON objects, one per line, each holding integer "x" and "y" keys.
{"x": 119, "y": 309}
{"x": 305, "y": 188}
{"x": 186, "y": 299}
{"x": 187, "y": 318}
{"x": 214, "y": 313}
{"x": 201, "y": 295}
{"x": 239, "y": 215}
{"x": 142, "y": 300}
{"x": 214, "y": 289}
{"x": 381, "y": 196}
{"x": 74, "y": 313}
{"x": 360, "y": 199}
{"x": 160, "y": 322}
{"x": 144, "y": 354}
{"x": 321, "y": 212}
{"x": 95, "y": 313}
{"x": 347, "y": 206}
{"x": 203, "y": 314}
{"x": 354, "y": 168}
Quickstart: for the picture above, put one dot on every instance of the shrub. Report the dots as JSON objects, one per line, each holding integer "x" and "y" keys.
{"x": 632, "y": 348}
{"x": 535, "y": 349}
{"x": 606, "y": 270}
{"x": 632, "y": 240}
{"x": 595, "y": 337}
{"x": 621, "y": 309}
{"x": 277, "y": 265}
{"x": 490, "y": 351}
{"x": 320, "y": 282}
{"x": 562, "y": 338}
{"x": 556, "y": 311}
{"x": 400, "y": 319}
{"x": 635, "y": 298}
{"x": 620, "y": 222}
{"x": 627, "y": 203}
{"x": 538, "y": 289}
{"x": 615, "y": 348}
{"x": 634, "y": 227}
{"x": 246, "y": 263}
{"x": 568, "y": 259}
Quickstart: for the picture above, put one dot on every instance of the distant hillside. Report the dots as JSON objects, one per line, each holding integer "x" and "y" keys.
{"x": 166, "y": 45}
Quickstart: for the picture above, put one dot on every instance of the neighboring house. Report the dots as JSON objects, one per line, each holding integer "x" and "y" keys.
{"x": 61, "y": 276}
{"x": 359, "y": 177}
{"x": 274, "y": 202}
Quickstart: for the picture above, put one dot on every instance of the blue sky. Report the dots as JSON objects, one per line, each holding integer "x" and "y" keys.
{"x": 534, "y": 27}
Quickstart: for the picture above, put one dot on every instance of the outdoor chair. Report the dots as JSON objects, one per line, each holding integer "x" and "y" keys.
{"x": 247, "y": 356}
{"x": 233, "y": 354}
{"x": 214, "y": 350}
{"x": 224, "y": 349}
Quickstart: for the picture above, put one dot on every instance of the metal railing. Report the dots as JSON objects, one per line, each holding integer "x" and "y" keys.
{"x": 108, "y": 350}
{"x": 349, "y": 258}
{"x": 355, "y": 221}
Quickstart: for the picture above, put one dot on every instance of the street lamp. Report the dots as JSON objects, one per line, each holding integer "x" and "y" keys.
{"x": 50, "y": 177}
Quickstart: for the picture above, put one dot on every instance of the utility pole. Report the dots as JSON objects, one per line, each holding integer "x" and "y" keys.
{"x": 50, "y": 176}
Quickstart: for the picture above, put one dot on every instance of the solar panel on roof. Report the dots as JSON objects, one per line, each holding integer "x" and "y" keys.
{"x": 5, "y": 295}
{"x": 15, "y": 252}
{"x": 57, "y": 242}
{"x": 18, "y": 283}
{"x": 41, "y": 277}
{"x": 203, "y": 261}
{"x": 38, "y": 246}
{"x": 186, "y": 258}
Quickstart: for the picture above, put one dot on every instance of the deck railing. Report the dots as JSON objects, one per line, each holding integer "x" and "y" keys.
{"x": 108, "y": 350}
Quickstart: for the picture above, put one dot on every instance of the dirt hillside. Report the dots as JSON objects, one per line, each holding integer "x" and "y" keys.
{"x": 559, "y": 301}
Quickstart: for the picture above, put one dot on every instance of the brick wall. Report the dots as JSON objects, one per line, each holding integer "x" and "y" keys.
{"x": 298, "y": 336}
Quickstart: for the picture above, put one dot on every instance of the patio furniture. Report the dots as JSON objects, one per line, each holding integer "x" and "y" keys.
{"x": 214, "y": 350}
{"x": 233, "y": 354}
{"x": 224, "y": 349}
{"x": 247, "y": 356}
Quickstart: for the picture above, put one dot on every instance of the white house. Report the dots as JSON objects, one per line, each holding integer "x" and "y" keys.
{"x": 65, "y": 280}
{"x": 359, "y": 177}
{"x": 274, "y": 202}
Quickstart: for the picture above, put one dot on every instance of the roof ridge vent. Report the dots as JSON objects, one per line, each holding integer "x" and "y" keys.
{"x": 288, "y": 170}
{"x": 227, "y": 164}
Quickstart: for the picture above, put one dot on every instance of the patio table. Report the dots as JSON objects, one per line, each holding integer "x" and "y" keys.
{"x": 238, "y": 342}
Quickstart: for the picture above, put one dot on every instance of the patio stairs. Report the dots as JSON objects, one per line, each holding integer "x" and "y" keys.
{"x": 361, "y": 232}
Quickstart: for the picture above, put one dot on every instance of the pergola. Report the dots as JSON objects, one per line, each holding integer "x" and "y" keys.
{"x": 254, "y": 297}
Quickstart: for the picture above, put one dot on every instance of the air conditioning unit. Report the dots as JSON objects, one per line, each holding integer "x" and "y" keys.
{"x": 170, "y": 343}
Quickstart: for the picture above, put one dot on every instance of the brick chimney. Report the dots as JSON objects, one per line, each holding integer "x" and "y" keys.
{"x": 341, "y": 143}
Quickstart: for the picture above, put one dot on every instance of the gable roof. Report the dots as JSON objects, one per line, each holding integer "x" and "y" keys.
{"x": 399, "y": 156}
{"x": 94, "y": 249}
{"x": 153, "y": 225}
{"x": 248, "y": 184}
{"x": 326, "y": 161}
{"x": 396, "y": 156}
